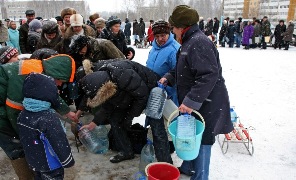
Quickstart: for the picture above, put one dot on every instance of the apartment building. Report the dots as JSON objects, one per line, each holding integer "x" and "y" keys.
{"x": 44, "y": 8}
{"x": 274, "y": 9}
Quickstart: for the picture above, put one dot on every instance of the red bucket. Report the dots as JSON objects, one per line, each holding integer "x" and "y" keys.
{"x": 162, "y": 171}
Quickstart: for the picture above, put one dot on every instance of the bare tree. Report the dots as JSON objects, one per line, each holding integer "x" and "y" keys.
{"x": 139, "y": 6}
{"x": 127, "y": 6}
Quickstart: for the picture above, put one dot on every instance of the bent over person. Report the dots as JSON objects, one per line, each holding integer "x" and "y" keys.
{"x": 120, "y": 89}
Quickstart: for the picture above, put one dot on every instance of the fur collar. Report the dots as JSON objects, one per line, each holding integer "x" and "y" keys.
{"x": 104, "y": 93}
{"x": 87, "y": 66}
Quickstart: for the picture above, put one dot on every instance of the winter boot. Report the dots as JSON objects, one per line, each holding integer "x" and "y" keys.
{"x": 286, "y": 46}
{"x": 21, "y": 169}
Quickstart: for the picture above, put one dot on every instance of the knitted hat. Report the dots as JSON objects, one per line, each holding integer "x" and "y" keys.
{"x": 6, "y": 53}
{"x": 76, "y": 20}
{"x": 100, "y": 23}
{"x": 43, "y": 53}
{"x": 35, "y": 25}
{"x": 183, "y": 16}
{"x": 50, "y": 27}
{"x": 67, "y": 11}
{"x": 36, "y": 84}
{"x": 161, "y": 27}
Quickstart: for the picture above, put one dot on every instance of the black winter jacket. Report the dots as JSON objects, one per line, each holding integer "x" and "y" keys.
{"x": 200, "y": 84}
{"x": 216, "y": 26}
{"x": 32, "y": 124}
{"x": 128, "y": 88}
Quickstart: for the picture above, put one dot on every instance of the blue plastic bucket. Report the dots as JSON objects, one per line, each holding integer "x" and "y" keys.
{"x": 188, "y": 154}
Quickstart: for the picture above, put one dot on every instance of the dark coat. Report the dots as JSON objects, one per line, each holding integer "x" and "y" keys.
{"x": 201, "y": 25}
{"x": 24, "y": 29}
{"x": 135, "y": 28}
{"x": 230, "y": 32}
{"x": 141, "y": 31}
{"x": 216, "y": 26}
{"x": 209, "y": 28}
{"x": 128, "y": 88}
{"x": 127, "y": 29}
{"x": 265, "y": 28}
{"x": 32, "y": 124}
{"x": 200, "y": 84}
{"x": 289, "y": 33}
{"x": 222, "y": 32}
{"x": 279, "y": 30}
{"x": 118, "y": 40}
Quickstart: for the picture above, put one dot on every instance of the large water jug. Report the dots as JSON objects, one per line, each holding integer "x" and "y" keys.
{"x": 233, "y": 115}
{"x": 186, "y": 132}
{"x": 147, "y": 156}
{"x": 96, "y": 140}
{"x": 156, "y": 102}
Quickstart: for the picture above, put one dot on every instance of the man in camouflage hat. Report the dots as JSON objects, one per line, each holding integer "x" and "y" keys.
{"x": 200, "y": 85}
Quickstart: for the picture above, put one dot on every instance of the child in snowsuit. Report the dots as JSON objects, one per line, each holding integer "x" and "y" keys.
{"x": 46, "y": 147}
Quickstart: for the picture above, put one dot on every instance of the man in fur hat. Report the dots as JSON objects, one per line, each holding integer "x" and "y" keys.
{"x": 65, "y": 15}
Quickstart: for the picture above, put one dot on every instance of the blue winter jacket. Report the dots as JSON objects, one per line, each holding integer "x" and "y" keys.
{"x": 162, "y": 59}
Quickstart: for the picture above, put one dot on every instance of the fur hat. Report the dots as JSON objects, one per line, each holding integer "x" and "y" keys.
{"x": 94, "y": 16}
{"x": 100, "y": 23}
{"x": 67, "y": 11}
{"x": 112, "y": 21}
{"x": 6, "y": 53}
{"x": 35, "y": 25}
{"x": 183, "y": 16}
{"x": 76, "y": 20}
{"x": 161, "y": 27}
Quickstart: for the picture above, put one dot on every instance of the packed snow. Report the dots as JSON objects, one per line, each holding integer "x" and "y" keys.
{"x": 261, "y": 86}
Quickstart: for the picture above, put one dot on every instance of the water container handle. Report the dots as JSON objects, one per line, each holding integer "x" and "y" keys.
{"x": 176, "y": 112}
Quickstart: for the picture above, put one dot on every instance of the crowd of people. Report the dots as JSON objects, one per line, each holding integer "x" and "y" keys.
{"x": 90, "y": 65}
{"x": 250, "y": 34}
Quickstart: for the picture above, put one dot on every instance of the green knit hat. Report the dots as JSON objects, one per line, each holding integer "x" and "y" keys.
{"x": 183, "y": 16}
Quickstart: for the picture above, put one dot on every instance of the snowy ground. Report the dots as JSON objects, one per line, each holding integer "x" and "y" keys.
{"x": 262, "y": 86}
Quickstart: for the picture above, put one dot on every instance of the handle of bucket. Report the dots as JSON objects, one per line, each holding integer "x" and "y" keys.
{"x": 146, "y": 168}
{"x": 176, "y": 112}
